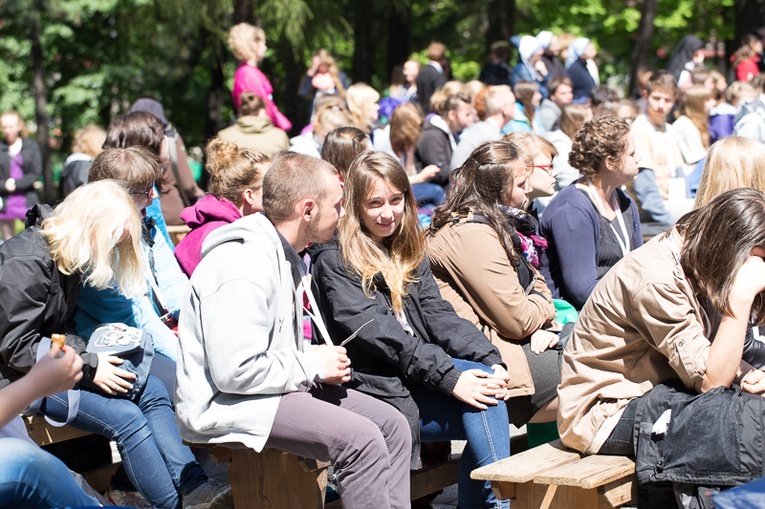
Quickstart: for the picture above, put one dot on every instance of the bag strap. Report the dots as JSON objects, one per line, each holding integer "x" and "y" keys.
{"x": 73, "y": 395}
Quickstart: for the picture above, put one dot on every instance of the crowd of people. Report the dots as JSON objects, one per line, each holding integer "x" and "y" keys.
{"x": 438, "y": 264}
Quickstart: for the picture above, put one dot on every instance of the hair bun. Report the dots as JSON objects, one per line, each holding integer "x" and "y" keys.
{"x": 220, "y": 154}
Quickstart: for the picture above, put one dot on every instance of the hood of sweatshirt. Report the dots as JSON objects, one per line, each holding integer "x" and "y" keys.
{"x": 254, "y": 124}
{"x": 255, "y": 228}
{"x": 210, "y": 209}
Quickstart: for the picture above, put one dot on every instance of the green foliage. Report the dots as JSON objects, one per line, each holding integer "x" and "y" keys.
{"x": 101, "y": 55}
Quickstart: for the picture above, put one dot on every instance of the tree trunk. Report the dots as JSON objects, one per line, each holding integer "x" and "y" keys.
{"x": 399, "y": 39}
{"x": 287, "y": 85}
{"x": 38, "y": 82}
{"x": 749, "y": 17}
{"x": 642, "y": 43}
{"x": 243, "y": 12}
{"x": 363, "y": 49}
{"x": 501, "y": 15}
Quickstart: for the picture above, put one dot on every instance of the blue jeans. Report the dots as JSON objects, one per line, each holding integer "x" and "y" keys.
{"x": 487, "y": 433}
{"x": 155, "y": 459}
{"x": 31, "y": 477}
{"x": 428, "y": 193}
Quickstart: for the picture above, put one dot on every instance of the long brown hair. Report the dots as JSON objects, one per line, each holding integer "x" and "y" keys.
{"x": 401, "y": 253}
{"x": 406, "y": 124}
{"x": 692, "y": 105}
{"x": 524, "y": 93}
{"x": 478, "y": 186}
{"x": 718, "y": 240}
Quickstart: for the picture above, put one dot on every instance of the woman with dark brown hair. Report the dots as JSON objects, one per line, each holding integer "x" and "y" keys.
{"x": 654, "y": 367}
{"x": 527, "y": 100}
{"x": 483, "y": 257}
{"x": 405, "y": 128}
{"x": 592, "y": 224}
{"x": 342, "y": 145}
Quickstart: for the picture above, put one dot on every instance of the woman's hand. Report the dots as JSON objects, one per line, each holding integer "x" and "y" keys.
{"x": 56, "y": 372}
{"x": 111, "y": 379}
{"x": 750, "y": 280}
{"x": 10, "y": 185}
{"x": 540, "y": 67}
{"x": 541, "y": 340}
{"x": 478, "y": 388}
{"x": 501, "y": 374}
{"x": 754, "y": 382}
{"x": 426, "y": 174}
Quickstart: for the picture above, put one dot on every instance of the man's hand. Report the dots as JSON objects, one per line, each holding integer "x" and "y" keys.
{"x": 337, "y": 365}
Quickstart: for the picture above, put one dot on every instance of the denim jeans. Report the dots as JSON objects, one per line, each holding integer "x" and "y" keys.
{"x": 428, "y": 193}
{"x": 157, "y": 462}
{"x": 487, "y": 432}
{"x": 31, "y": 477}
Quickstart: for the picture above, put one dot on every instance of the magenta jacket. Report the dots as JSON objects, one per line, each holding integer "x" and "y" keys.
{"x": 251, "y": 78}
{"x": 203, "y": 217}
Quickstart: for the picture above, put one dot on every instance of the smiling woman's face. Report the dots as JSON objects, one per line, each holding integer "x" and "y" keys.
{"x": 383, "y": 210}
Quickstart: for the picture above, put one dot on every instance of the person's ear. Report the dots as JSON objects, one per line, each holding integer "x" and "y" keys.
{"x": 308, "y": 209}
{"x": 248, "y": 196}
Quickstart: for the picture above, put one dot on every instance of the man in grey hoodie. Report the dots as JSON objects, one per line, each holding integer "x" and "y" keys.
{"x": 246, "y": 374}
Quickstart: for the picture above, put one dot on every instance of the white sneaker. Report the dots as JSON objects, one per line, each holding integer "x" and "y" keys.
{"x": 212, "y": 494}
{"x": 127, "y": 499}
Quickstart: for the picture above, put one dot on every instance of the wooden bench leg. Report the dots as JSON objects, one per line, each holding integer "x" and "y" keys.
{"x": 274, "y": 480}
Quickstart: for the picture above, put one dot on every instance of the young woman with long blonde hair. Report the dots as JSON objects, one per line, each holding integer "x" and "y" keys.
{"x": 94, "y": 237}
{"x": 411, "y": 350}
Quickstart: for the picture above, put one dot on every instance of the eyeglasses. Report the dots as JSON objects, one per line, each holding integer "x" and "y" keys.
{"x": 546, "y": 167}
{"x": 145, "y": 194}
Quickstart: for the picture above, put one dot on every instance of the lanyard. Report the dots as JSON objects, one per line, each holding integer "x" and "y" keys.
{"x": 624, "y": 240}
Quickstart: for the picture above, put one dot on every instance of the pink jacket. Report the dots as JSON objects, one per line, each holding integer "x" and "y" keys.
{"x": 251, "y": 78}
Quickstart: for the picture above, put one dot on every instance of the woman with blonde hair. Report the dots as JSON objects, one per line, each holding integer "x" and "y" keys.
{"x": 20, "y": 167}
{"x": 732, "y": 162}
{"x": 248, "y": 44}
{"x": 323, "y": 77}
{"x": 539, "y": 155}
{"x": 692, "y": 126}
{"x": 94, "y": 237}
{"x": 235, "y": 190}
{"x": 411, "y": 350}
{"x": 362, "y": 104}
{"x": 87, "y": 144}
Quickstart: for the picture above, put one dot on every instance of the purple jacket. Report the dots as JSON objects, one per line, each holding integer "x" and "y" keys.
{"x": 203, "y": 217}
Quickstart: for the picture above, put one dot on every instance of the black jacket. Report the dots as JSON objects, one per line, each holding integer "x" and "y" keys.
{"x": 37, "y": 301}
{"x": 387, "y": 362}
{"x": 31, "y": 167}
{"x": 434, "y": 147}
{"x": 581, "y": 79}
{"x": 428, "y": 81}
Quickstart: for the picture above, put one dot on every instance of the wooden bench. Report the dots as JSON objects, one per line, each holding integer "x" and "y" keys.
{"x": 279, "y": 480}
{"x": 177, "y": 232}
{"x": 551, "y": 476}
{"x": 44, "y": 434}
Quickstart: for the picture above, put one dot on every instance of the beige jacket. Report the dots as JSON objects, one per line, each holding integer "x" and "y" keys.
{"x": 475, "y": 276}
{"x": 641, "y": 326}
